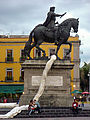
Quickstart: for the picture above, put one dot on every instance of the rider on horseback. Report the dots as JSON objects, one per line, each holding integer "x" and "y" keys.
{"x": 50, "y": 21}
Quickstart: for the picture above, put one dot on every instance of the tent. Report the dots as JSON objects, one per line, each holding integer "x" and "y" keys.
{"x": 76, "y": 91}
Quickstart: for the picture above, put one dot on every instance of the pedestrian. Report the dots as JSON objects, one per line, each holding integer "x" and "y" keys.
{"x": 75, "y": 106}
{"x": 1, "y": 100}
{"x": 5, "y": 100}
{"x": 82, "y": 103}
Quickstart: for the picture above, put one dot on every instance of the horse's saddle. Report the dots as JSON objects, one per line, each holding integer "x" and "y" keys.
{"x": 50, "y": 33}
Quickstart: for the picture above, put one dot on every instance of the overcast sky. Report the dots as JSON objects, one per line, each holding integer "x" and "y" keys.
{"x": 21, "y": 16}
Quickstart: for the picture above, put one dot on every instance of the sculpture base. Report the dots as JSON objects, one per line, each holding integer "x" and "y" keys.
{"x": 57, "y": 88}
{"x": 49, "y": 100}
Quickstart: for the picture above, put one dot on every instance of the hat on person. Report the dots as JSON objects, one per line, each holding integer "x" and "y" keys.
{"x": 52, "y": 8}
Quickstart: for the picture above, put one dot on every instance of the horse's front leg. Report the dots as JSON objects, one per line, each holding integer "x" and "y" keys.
{"x": 70, "y": 47}
{"x": 58, "y": 47}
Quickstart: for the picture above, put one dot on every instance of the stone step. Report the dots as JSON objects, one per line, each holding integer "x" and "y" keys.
{"x": 51, "y": 112}
{"x": 57, "y": 112}
{"x": 52, "y": 116}
{"x": 4, "y": 110}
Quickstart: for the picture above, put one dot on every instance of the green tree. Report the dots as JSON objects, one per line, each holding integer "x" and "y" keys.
{"x": 84, "y": 79}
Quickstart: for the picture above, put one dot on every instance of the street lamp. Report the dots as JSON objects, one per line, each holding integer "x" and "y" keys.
{"x": 74, "y": 86}
{"x": 89, "y": 79}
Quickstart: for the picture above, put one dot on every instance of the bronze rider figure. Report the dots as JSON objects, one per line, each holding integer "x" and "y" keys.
{"x": 50, "y": 21}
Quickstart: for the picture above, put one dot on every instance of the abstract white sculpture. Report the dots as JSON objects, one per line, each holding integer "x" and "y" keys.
{"x": 17, "y": 110}
{"x": 44, "y": 76}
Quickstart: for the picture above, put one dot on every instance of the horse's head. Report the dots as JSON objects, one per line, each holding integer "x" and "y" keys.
{"x": 70, "y": 23}
{"x": 75, "y": 23}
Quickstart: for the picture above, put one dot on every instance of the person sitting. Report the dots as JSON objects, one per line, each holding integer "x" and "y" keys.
{"x": 31, "y": 107}
{"x": 38, "y": 106}
{"x": 75, "y": 106}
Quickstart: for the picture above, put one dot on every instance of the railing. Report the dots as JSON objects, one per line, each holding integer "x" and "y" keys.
{"x": 21, "y": 79}
{"x": 8, "y": 79}
{"x": 9, "y": 59}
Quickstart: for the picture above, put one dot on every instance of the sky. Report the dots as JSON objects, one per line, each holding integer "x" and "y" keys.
{"x": 19, "y": 17}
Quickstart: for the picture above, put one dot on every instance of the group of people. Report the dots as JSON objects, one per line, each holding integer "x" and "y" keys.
{"x": 34, "y": 106}
{"x": 77, "y": 104}
{"x": 3, "y": 100}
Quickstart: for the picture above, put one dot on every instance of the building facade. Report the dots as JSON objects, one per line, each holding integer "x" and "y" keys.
{"x": 11, "y": 57}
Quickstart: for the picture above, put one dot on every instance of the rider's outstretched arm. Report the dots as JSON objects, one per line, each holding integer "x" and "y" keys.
{"x": 58, "y": 15}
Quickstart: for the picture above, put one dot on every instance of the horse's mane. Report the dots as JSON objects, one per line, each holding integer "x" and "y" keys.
{"x": 65, "y": 22}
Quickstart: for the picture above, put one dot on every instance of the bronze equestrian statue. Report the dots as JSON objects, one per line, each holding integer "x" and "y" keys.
{"x": 42, "y": 33}
{"x": 50, "y": 21}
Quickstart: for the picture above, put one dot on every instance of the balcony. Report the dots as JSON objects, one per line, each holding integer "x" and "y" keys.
{"x": 8, "y": 79}
{"x": 21, "y": 79}
{"x": 9, "y": 59}
{"x": 22, "y": 59}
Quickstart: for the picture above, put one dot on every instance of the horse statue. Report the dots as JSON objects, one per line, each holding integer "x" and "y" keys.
{"x": 42, "y": 34}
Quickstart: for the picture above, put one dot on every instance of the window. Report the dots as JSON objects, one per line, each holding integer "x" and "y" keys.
{"x": 21, "y": 75}
{"x": 37, "y": 53}
{"x": 9, "y": 55}
{"x": 22, "y": 53}
{"x": 9, "y": 74}
{"x": 52, "y": 51}
{"x": 22, "y": 57}
{"x": 65, "y": 51}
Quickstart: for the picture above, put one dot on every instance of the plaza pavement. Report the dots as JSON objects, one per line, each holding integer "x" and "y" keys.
{"x": 61, "y": 118}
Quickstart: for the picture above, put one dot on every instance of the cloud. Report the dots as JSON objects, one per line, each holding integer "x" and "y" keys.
{"x": 21, "y": 16}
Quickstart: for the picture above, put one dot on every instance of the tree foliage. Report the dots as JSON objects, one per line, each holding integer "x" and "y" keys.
{"x": 84, "y": 78}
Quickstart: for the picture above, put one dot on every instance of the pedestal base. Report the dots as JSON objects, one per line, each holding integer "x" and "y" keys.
{"x": 49, "y": 100}
{"x": 57, "y": 90}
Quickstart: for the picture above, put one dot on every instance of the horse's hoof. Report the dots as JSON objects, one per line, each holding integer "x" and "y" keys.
{"x": 44, "y": 55}
{"x": 29, "y": 58}
{"x": 58, "y": 58}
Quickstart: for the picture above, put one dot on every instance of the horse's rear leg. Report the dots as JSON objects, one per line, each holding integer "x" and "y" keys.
{"x": 37, "y": 46}
{"x": 30, "y": 48}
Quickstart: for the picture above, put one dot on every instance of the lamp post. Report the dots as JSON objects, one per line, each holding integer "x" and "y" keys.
{"x": 89, "y": 79}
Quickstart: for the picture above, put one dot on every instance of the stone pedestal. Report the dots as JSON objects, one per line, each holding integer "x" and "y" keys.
{"x": 57, "y": 88}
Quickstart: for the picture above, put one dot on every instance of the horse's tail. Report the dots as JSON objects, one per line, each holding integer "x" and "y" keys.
{"x": 28, "y": 43}
{"x": 32, "y": 34}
